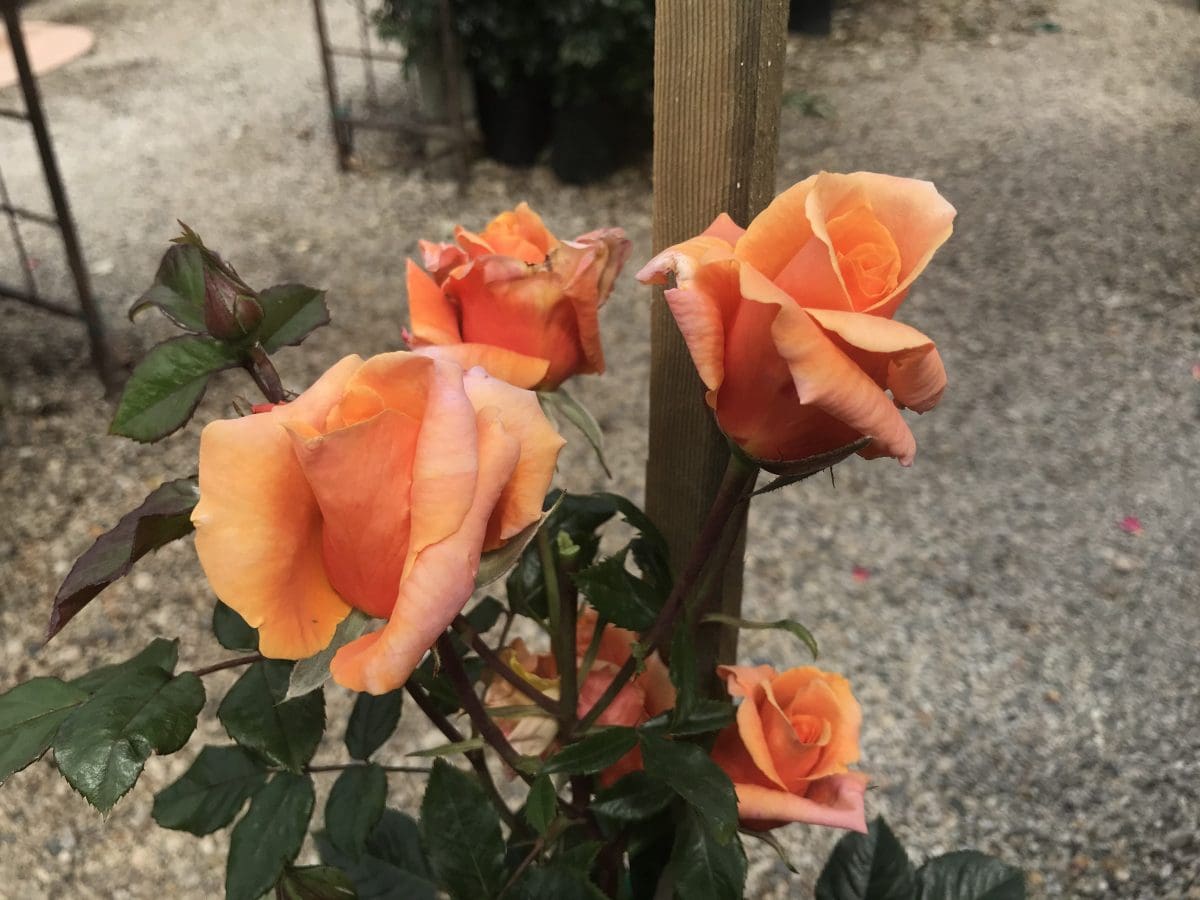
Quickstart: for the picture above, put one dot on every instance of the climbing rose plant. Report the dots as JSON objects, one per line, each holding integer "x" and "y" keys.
{"x": 389, "y": 529}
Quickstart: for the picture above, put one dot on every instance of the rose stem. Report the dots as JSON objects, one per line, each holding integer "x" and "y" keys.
{"x": 262, "y": 370}
{"x": 501, "y": 668}
{"x": 341, "y": 767}
{"x": 228, "y": 664}
{"x": 483, "y": 723}
{"x": 474, "y": 757}
{"x": 738, "y": 479}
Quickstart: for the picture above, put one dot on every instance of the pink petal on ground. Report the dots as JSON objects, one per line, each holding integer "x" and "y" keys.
{"x": 1131, "y": 525}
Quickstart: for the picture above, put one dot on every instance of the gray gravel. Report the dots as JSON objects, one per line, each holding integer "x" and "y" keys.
{"x": 1027, "y": 668}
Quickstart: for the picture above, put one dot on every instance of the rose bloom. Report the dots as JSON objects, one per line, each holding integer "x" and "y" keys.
{"x": 788, "y": 752}
{"x": 519, "y": 290}
{"x": 376, "y": 489}
{"x": 789, "y": 321}
{"x": 643, "y": 696}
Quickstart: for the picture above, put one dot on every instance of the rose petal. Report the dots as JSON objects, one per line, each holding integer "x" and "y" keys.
{"x": 835, "y": 802}
{"x": 780, "y": 231}
{"x": 439, "y": 582}
{"x": 520, "y": 503}
{"x": 507, "y": 365}
{"x": 258, "y": 527}
{"x": 434, "y": 318}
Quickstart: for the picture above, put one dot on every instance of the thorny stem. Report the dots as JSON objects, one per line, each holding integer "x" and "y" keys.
{"x": 739, "y": 478}
{"x": 474, "y": 757}
{"x": 471, "y": 705}
{"x": 501, "y": 668}
{"x": 262, "y": 370}
{"x": 228, "y": 664}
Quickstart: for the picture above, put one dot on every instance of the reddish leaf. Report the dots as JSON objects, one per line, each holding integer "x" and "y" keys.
{"x": 163, "y": 517}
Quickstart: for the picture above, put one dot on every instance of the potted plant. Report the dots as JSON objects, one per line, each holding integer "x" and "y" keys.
{"x": 603, "y": 86}
{"x": 510, "y": 50}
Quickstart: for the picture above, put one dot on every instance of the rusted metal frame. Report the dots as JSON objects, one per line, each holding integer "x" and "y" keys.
{"x": 102, "y": 356}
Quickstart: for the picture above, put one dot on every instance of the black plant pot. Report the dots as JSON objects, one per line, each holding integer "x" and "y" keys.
{"x": 811, "y": 17}
{"x": 515, "y": 122}
{"x": 595, "y": 138}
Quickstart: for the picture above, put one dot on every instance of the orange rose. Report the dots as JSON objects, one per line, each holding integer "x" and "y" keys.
{"x": 518, "y": 294}
{"x": 643, "y": 697}
{"x": 789, "y": 321}
{"x": 789, "y": 751}
{"x": 377, "y": 488}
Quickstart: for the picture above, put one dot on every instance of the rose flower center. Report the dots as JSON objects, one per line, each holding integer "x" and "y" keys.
{"x": 867, "y": 256}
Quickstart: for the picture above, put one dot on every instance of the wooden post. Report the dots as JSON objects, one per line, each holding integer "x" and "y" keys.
{"x": 718, "y": 80}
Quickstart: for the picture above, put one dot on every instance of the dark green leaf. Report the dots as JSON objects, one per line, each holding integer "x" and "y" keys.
{"x": 542, "y": 804}
{"x": 683, "y": 674}
{"x": 178, "y": 288}
{"x": 165, "y": 388}
{"x": 693, "y": 775}
{"x": 635, "y": 797}
{"x": 650, "y": 550}
{"x": 290, "y": 313}
{"x": 595, "y": 751}
{"x": 269, "y": 836}
{"x": 556, "y": 882}
{"x": 970, "y": 875}
{"x": 372, "y": 721}
{"x": 393, "y": 866}
{"x": 438, "y": 686}
{"x": 212, "y": 792}
{"x": 461, "y": 835}
{"x": 791, "y": 626}
{"x": 495, "y": 564}
{"x": 103, "y": 745}
{"x": 485, "y": 614}
{"x": 256, "y": 716}
{"x": 354, "y": 806}
{"x": 703, "y": 867}
{"x": 315, "y": 883}
{"x": 164, "y": 516}
{"x": 463, "y": 746}
{"x": 623, "y": 599}
{"x": 871, "y": 866}
{"x": 705, "y": 717}
{"x": 30, "y": 714}
{"x": 159, "y": 653}
{"x": 231, "y": 629}
{"x": 310, "y": 673}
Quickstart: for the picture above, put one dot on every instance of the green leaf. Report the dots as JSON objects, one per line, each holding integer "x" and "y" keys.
{"x": 970, "y": 875}
{"x": 484, "y": 615}
{"x": 579, "y": 416}
{"x": 791, "y": 626}
{"x": 165, "y": 388}
{"x": 704, "y": 867}
{"x": 290, "y": 313}
{"x": 625, "y": 600}
{"x": 683, "y": 674}
{"x": 461, "y": 834}
{"x": 159, "y": 653}
{"x": 269, "y": 836}
{"x": 595, "y": 751}
{"x": 693, "y": 775}
{"x": 355, "y": 804}
{"x": 178, "y": 288}
{"x": 541, "y": 805}
{"x": 255, "y": 715}
{"x": 372, "y": 721}
{"x": 313, "y": 671}
{"x": 315, "y": 883}
{"x": 103, "y": 745}
{"x": 556, "y": 881}
{"x": 495, "y": 564}
{"x": 393, "y": 866}
{"x": 871, "y": 866}
{"x": 164, "y": 516}
{"x": 212, "y": 792}
{"x": 633, "y": 798}
{"x": 438, "y": 686}
{"x": 704, "y": 717}
{"x": 30, "y": 714}
{"x": 231, "y": 629}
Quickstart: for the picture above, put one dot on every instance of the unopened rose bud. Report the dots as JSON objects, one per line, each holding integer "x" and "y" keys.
{"x": 220, "y": 296}
{"x": 247, "y": 312}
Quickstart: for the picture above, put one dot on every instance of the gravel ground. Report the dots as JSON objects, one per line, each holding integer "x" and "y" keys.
{"x": 1027, "y": 667}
